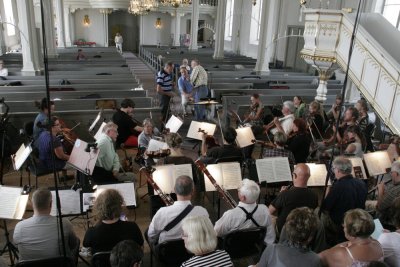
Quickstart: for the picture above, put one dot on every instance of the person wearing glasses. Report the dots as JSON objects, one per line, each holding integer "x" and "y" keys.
{"x": 345, "y": 194}
{"x": 294, "y": 197}
{"x": 126, "y": 253}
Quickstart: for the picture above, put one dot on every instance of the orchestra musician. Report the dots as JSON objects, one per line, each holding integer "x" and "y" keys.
{"x": 144, "y": 138}
{"x": 166, "y": 223}
{"x": 356, "y": 142}
{"x": 284, "y": 124}
{"x": 247, "y": 214}
{"x": 41, "y": 120}
{"x": 256, "y": 114}
{"x": 299, "y": 141}
{"x": 300, "y": 107}
{"x": 279, "y": 150}
{"x": 333, "y": 113}
{"x": 349, "y": 119}
{"x": 127, "y": 128}
{"x": 315, "y": 120}
{"x": 363, "y": 119}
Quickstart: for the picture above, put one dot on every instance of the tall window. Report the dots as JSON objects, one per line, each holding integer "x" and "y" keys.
{"x": 391, "y": 11}
{"x": 9, "y": 17}
{"x": 255, "y": 24}
{"x": 229, "y": 19}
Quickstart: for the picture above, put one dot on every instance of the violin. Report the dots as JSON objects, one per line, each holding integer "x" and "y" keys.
{"x": 264, "y": 143}
{"x": 67, "y": 136}
{"x": 210, "y": 140}
{"x": 254, "y": 107}
{"x": 162, "y": 153}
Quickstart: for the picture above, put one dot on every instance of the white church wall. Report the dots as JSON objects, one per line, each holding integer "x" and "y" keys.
{"x": 94, "y": 32}
{"x": 153, "y": 36}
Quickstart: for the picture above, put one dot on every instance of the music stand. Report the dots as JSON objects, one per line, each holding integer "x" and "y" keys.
{"x": 96, "y": 120}
{"x": 12, "y": 208}
{"x": 20, "y": 157}
{"x": 173, "y": 124}
{"x": 245, "y": 137}
{"x": 99, "y": 131}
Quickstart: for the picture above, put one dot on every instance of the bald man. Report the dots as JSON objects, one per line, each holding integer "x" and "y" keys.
{"x": 297, "y": 196}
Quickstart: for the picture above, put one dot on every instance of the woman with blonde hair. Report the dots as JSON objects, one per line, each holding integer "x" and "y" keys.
{"x": 360, "y": 249}
{"x": 201, "y": 240}
{"x": 110, "y": 229}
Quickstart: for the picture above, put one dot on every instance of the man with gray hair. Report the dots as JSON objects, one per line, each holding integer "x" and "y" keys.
{"x": 285, "y": 123}
{"x": 345, "y": 194}
{"x": 38, "y": 237}
{"x": 386, "y": 195}
{"x": 107, "y": 165}
{"x": 248, "y": 214}
{"x": 166, "y": 223}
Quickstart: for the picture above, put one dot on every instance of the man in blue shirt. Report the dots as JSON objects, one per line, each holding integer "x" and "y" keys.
{"x": 164, "y": 88}
{"x": 185, "y": 87}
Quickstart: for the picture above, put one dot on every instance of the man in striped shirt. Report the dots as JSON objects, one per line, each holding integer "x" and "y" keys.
{"x": 164, "y": 88}
{"x": 199, "y": 79}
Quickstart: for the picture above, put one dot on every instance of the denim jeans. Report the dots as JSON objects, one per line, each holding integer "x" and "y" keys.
{"x": 200, "y": 92}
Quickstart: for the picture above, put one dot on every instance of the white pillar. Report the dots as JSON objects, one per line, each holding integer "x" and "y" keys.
{"x": 220, "y": 30}
{"x": 2, "y": 41}
{"x": 265, "y": 43}
{"x": 141, "y": 30}
{"x": 105, "y": 26}
{"x": 29, "y": 41}
{"x": 67, "y": 23}
{"x": 72, "y": 26}
{"x": 195, "y": 26}
{"x": 177, "y": 28}
{"x": 49, "y": 28}
{"x": 60, "y": 22}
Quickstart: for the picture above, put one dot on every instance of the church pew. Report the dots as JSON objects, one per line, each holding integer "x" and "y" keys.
{"x": 54, "y": 82}
{"x": 70, "y": 87}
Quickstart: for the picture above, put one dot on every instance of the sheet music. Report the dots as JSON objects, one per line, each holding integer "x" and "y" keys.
{"x": 20, "y": 159}
{"x": 358, "y": 162}
{"x": 81, "y": 160}
{"x": 377, "y": 162}
{"x": 70, "y": 202}
{"x": 95, "y": 121}
{"x": 183, "y": 169}
{"x": 17, "y": 154}
{"x": 318, "y": 174}
{"x": 231, "y": 174}
{"x": 273, "y": 170}
{"x": 163, "y": 177}
{"x": 194, "y": 129}
{"x": 127, "y": 190}
{"x": 9, "y": 198}
{"x": 173, "y": 124}
{"x": 216, "y": 173}
{"x": 99, "y": 131}
{"x": 155, "y": 145}
{"x": 244, "y": 137}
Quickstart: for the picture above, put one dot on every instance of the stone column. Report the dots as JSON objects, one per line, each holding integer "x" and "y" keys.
{"x": 29, "y": 41}
{"x": 105, "y": 25}
{"x": 2, "y": 40}
{"x": 177, "y": 28}
{"x": 49, "y": 28}
{"x": 60, "y": 23}
{"x": 67, "y": 23}
{"x": 195, "y": 26}
{"x": 220, "y": 30}
{"x": 265, "y": 43}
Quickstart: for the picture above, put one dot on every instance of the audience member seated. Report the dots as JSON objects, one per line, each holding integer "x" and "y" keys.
{"x": 357, "y": 147}
{"x": 295, "y": 197}
{"x": 229, "y": 149}
{"x": 128, "y": 130}
{"x": 41, "y": 121}
{"x": 80, "y": 56}
{"x": 360, "y": 249}
{"x": 107, "y": 164}
{"x": 390, "y": 241}
{"x": 44, "y": 146}
{"x": 164, "y": 225}
{"x": 299, "y": 141}
{"x": 301, "y": 225}
{"x": 345, "y": 194}
{"x": 248, "y": 214}
{"x": 38, "y": 237}
{"x": 201, "y": 240}
{"x": 279, "y": 150}
{"x": 3, "y": 71}
{"x": 387, "y": 194}
{"x": 126, "y": 253}
{"x": 284, "y": 124}
{"x": 110, "y": 229}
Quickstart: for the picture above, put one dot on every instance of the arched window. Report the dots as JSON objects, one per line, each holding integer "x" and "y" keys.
{"x": 9, "y": 17}
{"x": 255, "y": 24}
{"x": 391, "y": 11}
{"x": 229, "y": 19}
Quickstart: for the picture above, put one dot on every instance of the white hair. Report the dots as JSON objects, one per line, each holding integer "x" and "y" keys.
{"x": 343, "y": 165}
{"x": 396, "y": 167}
{"x": 201, "y": 236}
{"x": 289, "y": 105}
{"x": 250, "y": 190}
{"x": 110, "y": 125}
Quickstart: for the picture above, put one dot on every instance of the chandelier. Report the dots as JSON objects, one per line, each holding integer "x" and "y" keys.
{"x": 142, "y": 7}
{"x": 176, "y": 3}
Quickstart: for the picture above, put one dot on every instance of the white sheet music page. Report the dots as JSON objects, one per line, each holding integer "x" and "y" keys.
{"x": 163, "y": 177}
{"x": 127, "y": 190}
{"x": 183, "y": 169}
{"x": 9, "y": 198}
{"x": 96, "y": 120}
{"x": 377, "y": 162}
{"x": 99, "y": 131}
{"x": 244, "y": 137}
{"x": 231, "y": 174}
{"x": 282, "y": 169}
{"x": 318, "y": 174}
{"x": 194, "y": 133}
{"x": 17, "y": 154}
{"x": 70, "y": 202}
{"x": 21, "y": 158}
{"x": 173, "y": 124}
{"x": 155, "y": 145}
{"x": 265, "y": 170}
{"x": 216, "y": 172}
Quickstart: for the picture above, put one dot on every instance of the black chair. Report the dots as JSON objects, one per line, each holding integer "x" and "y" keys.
{"x": 101, "y": 259}
{"x": 28, "y": 129}
{"x": 50, "y": 262}
{"x": 244, "y": 243}
{"x": 35, "y": 167}
{"x": 171, "y": 253}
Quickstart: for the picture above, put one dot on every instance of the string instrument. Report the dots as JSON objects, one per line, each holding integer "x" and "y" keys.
{"x": 127, "y": 162}
{"x": 168, "y": 201}
{"x": 162, "y": 153}
{"x": 210, "y": 140}
{"x": 264, "y": 143}
{"x": 223, "y": 193}
{"x": 376, "y": 187}
{"x": 272, "y": 125}
{"x": 67, "y": 136}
